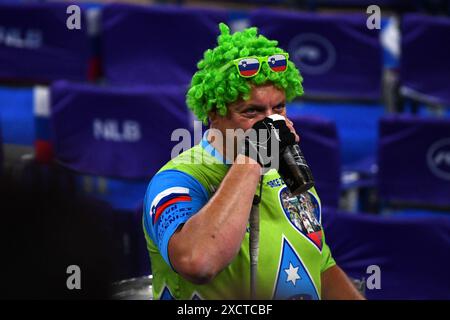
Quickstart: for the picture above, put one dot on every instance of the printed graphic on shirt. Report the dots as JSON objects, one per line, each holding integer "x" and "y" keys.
{"x": 196, "y": 296}
{"x": 166, "y": 295}
{"x": 293, "y": 281}
{"x": 303, "y": 212}
{"x": 166, "y": 198}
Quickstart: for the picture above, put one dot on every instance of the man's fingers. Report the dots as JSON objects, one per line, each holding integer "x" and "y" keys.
{"x": 290, "y": 125}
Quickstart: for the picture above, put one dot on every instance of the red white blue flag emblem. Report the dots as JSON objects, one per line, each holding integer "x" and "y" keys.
{"x": 167, "y": 198}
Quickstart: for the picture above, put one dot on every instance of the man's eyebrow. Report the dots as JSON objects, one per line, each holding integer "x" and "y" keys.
{"x": 257, "y": 106}
{"x": 282, "y": 103}
{"x": 246, "y": 106}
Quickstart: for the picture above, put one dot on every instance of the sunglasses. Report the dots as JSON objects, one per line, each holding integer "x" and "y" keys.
{"x": 249, "y": 66}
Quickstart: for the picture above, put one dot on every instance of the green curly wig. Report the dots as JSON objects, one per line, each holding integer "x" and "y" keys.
{"x": 212, "y": 89}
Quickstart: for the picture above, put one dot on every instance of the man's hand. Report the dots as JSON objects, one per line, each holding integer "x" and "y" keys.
{"x": 290, "y": 125}
{"x": 267, "y": 139}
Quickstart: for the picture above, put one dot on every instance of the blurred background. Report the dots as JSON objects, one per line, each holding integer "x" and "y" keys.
{"x": 86, "y": 118}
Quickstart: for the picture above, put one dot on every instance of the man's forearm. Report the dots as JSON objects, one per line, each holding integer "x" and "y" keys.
{"x": 337, "y": 286}
{"x": 210, "y": 240}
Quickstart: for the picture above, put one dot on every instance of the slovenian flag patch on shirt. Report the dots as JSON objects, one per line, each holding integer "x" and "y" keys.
{"x": 166, "y": 198}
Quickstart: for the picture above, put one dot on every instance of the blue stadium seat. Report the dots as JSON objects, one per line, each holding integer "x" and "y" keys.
{"x": 16, "y": 115}
{"x": 337, "y": 55}
{"x": 424, "y": 65}
{"x": 156, "y": 45}
{"x": 1, "y": 150}
{"x": 341, "y": 61}
{"x": 411, "y": 253}
{"x": 320, "y": 145}
{"x": 394, "y": 4}
{"x": 115, "y": 139}
{"x": 115, "y": 132}
{"x": 414, "y": 160}
{"x": 357, "y": 126}
{"x": 37, "y": 46}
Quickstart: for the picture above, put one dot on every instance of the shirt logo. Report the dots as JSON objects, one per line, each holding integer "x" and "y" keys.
{"x": 303, "y": 212}
{"x": 167, "y": 198}
{"x": 293, "y": 281}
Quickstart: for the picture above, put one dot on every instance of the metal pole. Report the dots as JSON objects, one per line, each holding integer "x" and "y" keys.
{"x": 254, "y": 245}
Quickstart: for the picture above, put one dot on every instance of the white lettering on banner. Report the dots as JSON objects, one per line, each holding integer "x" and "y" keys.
{"x": 438, "y": 158}
{"x": 131, "y": 131}
{"x": 113, "y": 130}
{"x": 17, "y": 38}
{"x": 442, "y": 157}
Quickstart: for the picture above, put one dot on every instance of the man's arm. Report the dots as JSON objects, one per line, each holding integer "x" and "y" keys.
{"x": 337, "y": 286}
{"x": 210, "y": 239}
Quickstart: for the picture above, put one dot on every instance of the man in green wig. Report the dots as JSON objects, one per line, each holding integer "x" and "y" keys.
{"x": 197, "y": 207}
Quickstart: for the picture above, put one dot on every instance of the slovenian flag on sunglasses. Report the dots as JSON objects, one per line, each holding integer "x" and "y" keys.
{"x": 167, "y": 198}
{"x": 277, "y": 62}
{"x": 248, "y": 67}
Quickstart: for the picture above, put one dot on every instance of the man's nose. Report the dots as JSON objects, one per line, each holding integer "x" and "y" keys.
{"x": 269, "y": 112}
